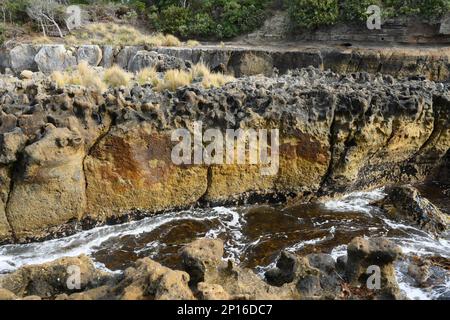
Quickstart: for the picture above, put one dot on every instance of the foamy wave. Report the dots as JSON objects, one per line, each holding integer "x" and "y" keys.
{"x": 356, "y": 202}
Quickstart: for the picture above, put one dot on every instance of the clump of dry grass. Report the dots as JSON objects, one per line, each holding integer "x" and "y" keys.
{"x": 209, "y": 79}
{"x": 120, "y": 35}
{"x": 174, "y": 79}
{"x": 171, "y": 41}
{"x": 193, "y": 43}
{"x": 148, "y": 76}
{"x": 42, "y": 40}
{"x": 199, "y": 70}
{"x": 216, "y": 80}
{"x": 83, "y": 75}
{"x": 116, "y": 77}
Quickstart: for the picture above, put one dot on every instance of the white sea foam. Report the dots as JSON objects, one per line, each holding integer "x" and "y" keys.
{"x": 87, "y": 242}
{"x": 356, "y": 202}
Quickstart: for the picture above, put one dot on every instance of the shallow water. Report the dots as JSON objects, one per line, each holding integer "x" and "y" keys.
{"x": 253, "y": 236}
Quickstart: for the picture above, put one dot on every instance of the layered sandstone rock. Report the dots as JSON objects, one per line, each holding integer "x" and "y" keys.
{"x": 69, "y": 156}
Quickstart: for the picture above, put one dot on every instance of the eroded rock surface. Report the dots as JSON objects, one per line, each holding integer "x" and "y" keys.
{"x": 72, "y": 155}
{"x": 405, "y": 203}
{"x": 312, "y": 277}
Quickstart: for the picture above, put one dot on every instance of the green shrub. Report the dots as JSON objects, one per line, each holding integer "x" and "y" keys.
{"x": 2, "y": 34}
{"x": 312, "y": 13}
{"x": 210, "y": 18}
{"x": 423, "y": 8}
{"x": 174, "y": 20}
{"x": 356, "y": 10}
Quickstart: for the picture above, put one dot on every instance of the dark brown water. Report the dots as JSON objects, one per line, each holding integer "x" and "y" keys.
{"x": 253, "y": 236}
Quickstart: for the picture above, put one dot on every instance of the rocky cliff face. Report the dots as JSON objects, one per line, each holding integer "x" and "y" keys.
{"x": 431, "y": 63}
{"x": 72, "y": 157}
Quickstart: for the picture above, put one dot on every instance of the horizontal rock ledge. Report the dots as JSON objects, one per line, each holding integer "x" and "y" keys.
{"x": 241, "y": 60}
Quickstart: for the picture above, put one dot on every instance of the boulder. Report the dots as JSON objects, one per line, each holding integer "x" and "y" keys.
{"x": 125, "y": 55}
{"x": 22, "y": 58}
{"x": 364, "y": 255}
{"x": 54, "y": 58}
{"x": 405, "y": 203}
{"x": 285, "y": 270}
{"x": 107, "y": 57}
{"x": 201, "y": 256}
{"x": 90, "y": 53}
{"x": 53, "y": 278}
{"x": 143, "y": 59}
{"x": 149, "y": 279}
{"x": 26, "y": 75}
{"x": 10, "y": 144}
{"x": 209, "y": 291}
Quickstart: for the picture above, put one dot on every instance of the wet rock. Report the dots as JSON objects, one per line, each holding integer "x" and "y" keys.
{"x": 285, "y": 270}
{"x": 420, "y": 272}
{"x": 406, "y": 203}
{"x": 53, "y": 278}
{"x": 309, "y": 286}
{"x": 323, "y": 262}
{"x": 366, "y": 257}
{"x": 54, "y": 58}
{"x": 201, "y": 256}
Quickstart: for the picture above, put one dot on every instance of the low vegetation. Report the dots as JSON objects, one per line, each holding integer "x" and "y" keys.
{"x": 100, "y": 80}
{"x": 311, "y": 14}
{"x": 117, "y": 77}
{"x": 83, "y": 75}
{"x": 160, "y": 22}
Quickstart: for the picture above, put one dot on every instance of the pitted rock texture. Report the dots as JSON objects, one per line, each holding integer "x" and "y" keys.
{"x": 76, "y": 158}
{"x": 312, "y": 277}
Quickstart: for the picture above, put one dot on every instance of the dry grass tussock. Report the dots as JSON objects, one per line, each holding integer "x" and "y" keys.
{"x": 83, "y": 75}
{"x": 200, "y": 72}
{"x": 99, "y": 80}
{"x": 119, "y": 35}
{"x": 148, "y": 76}
{"x": 117, "y": 77}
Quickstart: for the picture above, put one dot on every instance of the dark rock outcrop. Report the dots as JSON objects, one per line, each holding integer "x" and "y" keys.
{"x": 405, "y": 203}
